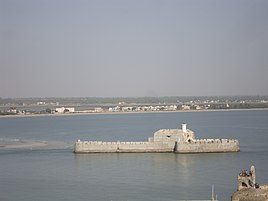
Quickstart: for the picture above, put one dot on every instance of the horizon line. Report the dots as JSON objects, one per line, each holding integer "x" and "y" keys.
{"x": 73, "y": 97}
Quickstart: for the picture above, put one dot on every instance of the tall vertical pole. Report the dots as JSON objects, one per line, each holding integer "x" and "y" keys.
{"x": 212, "y": 192}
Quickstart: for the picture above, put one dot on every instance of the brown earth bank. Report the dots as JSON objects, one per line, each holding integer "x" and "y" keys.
{"x": 252, "y": 194}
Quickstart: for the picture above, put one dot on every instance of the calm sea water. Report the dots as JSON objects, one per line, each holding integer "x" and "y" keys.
{"x": 56, "y": 173}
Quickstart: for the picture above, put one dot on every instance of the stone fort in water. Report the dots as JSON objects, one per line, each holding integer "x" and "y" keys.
{"x": 165, "y": 140}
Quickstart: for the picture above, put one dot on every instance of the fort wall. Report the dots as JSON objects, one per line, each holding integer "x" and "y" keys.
{"x": 106, "y": 147}
{"x": 164, "y": 140}
{"x": 207, "y": 146}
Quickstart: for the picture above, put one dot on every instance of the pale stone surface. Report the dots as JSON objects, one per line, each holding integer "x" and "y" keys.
{"x": 164, "y": 140}
{"x": 204, "y": 146}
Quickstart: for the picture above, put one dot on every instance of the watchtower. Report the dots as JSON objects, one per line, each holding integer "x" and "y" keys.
{"x": 184, "y": 128}
{"x": 246, "y": 179}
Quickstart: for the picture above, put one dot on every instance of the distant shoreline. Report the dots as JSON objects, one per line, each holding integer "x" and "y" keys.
{"x": 140, "y": 112}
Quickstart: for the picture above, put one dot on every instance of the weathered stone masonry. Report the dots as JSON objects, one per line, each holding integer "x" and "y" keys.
{"x": 164, "y": 140}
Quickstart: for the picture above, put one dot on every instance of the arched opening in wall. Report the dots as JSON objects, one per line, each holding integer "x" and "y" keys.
{"x": 250, "y": 183}
{"x": 168, "y": 136}
{"x": 244, "y": 185}
{"x": 189, "y": 140}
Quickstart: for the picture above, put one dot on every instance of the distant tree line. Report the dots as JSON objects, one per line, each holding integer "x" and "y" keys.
{"x": 239, "y": 106}
{"x": 129, "y": 100}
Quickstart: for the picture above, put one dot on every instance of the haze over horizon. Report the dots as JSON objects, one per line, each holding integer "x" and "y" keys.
{"x": 118, "y": 48}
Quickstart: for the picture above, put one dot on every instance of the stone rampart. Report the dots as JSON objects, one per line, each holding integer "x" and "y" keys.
{"x": 106, "y": 147}
{"x": 207, "y": 146}
{"x": 164, "y": 140}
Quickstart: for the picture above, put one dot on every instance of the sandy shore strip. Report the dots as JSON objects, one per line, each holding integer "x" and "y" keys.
{"x": 23, "y": 145}
{"x": 139, "y": 112}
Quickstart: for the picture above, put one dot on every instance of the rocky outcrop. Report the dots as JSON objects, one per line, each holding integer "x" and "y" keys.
{"x": 251, "y": 194}
{"x": 248, "y": 189}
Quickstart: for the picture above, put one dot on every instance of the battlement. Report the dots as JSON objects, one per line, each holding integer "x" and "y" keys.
{"x": 218, "y": 141}
{"x": 109, "y": 143}
{"x": 117, "y": 147}
{"x": 164, "y": 140}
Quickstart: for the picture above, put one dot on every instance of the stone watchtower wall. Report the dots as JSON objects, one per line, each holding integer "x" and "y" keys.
{"x": 248, "y": 189}
{"x": 246, "y": 179}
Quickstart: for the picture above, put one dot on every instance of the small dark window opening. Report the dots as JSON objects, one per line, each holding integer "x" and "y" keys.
{"x": 168, "y": 136}
{"x": 244, "y": 184}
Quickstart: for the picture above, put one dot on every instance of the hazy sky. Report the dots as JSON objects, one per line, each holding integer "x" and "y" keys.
{"x": 106, "y": 48}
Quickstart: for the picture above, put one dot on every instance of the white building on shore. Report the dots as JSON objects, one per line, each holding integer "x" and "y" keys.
{"x": 65, "y": 109}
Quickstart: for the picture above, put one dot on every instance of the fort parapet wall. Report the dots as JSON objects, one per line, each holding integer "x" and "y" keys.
{"x": 207, "y": 146}
{"x": 120, "y": 147}
{"x": 198, "y": 146}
